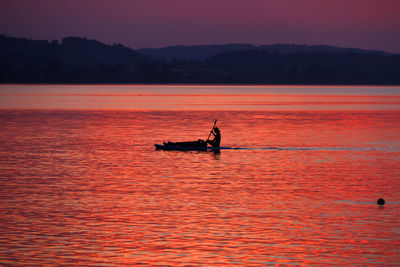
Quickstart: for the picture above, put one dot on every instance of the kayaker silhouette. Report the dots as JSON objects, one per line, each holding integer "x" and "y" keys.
{"x": 217, "y": 138}
{"x": 200, "y": 144}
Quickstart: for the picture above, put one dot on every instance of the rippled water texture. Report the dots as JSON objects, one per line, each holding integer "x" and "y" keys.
{"x": 84, "y": 185}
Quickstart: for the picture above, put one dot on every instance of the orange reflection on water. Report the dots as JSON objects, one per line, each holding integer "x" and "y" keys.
{"x": 115, "y": 97}
{"x": 87, "y": 187}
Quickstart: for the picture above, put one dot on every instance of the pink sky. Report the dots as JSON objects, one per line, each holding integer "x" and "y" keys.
{"x": 369, "y": 24}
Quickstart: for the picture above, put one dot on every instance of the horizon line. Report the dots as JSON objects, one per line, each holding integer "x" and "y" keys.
{"x": 206, "y": 44}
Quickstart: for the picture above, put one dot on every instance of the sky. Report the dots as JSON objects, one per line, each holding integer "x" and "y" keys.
{"x": 367, "y": 24}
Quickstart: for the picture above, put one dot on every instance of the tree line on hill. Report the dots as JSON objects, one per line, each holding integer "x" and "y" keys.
{"x": 79, "y": 60}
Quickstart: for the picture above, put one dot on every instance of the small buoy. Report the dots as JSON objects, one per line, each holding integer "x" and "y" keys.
{"x": 381, "y": 202}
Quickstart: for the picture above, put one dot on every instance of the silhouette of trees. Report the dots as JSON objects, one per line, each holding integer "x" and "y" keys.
{"x": 79, "y": 60}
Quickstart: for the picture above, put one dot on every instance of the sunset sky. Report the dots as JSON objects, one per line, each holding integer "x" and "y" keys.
{"x": 369, "y": 24}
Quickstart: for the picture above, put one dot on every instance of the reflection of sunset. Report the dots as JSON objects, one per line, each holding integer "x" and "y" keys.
{"x": 199, "y": 98}
{"x": 82, "y": 187}
{"x": 82, "y": 184}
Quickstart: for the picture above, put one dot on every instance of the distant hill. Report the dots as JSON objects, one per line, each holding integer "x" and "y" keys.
{"x": 292, "y": 48}
{"x": 204, "y": 52}
{"x": 73, "y": 50}
{"x": 195, "y": 52}
{"x": 74, "y": 59}
{"x": 344, "y": 67}
{"x": 80, "y": 60}
{"x": 80, "y": 50}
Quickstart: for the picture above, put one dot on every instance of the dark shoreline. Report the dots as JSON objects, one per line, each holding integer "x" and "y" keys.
{"x": 82, "y": 61}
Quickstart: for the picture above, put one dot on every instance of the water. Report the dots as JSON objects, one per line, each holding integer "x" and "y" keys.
{"x": 82, "y": 184}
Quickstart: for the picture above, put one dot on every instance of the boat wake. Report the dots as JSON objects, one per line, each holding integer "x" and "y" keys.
{"x": 272, "y": 148}
{"x": 388, "y": 148}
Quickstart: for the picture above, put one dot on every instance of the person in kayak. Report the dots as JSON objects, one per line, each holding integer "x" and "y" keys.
{"x": 217, "y": 138}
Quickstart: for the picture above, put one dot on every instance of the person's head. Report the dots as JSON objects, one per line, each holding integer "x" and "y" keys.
{"x": 216, "y": 130}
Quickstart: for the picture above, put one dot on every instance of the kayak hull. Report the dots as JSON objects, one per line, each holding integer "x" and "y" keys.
{"x": 199, "y": 145}
{"x": 189, "y": 145}
{"x": 181, "y": 148}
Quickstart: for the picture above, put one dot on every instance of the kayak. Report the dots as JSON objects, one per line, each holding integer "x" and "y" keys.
{"x": 186, "y": 148}
{"x": 199, "y": 145}
{"x": 164, "y": 147}
{"x": 190, "y": 145}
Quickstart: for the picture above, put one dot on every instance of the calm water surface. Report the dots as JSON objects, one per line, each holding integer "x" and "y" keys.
{"x": 81, "y": 183}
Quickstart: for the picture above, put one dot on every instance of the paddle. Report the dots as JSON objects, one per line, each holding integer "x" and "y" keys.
{"x": 215, "y": 122}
